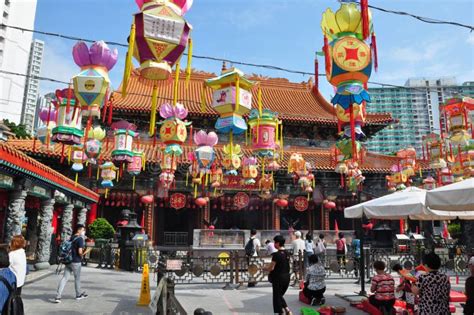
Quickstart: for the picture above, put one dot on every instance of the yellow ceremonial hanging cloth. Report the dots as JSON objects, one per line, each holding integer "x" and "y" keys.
{"x": 154, "y": 103}
{"x": 128, "y": 61}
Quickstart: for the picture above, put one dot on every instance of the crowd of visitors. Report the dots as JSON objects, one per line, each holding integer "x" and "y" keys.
{"x": 12, "y": 276}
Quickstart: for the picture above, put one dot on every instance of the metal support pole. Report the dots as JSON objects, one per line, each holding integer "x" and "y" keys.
{"x": 362, "y": 254}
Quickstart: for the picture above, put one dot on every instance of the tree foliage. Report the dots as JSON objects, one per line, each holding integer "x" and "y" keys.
{"x": 101, "y": 229}
{"x": 18, "y": 130}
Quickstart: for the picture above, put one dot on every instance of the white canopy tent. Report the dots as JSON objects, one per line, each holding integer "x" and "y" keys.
{"x": 455, "y": 197}
{"x": 408, "y": 203}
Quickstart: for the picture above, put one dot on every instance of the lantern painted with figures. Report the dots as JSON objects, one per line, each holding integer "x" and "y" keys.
{"x": 135, "y": 167}
{"x": 94, "y": 143}
{"x": 108, "y": 172}
{"x": 91, "y": 85}
{"x": 124, "y": 133}
{"x": 77, "y": 158}
{"x": 249, "y": 169}
{"x": 264, "y": 129}
{"x": 68, "y": 128}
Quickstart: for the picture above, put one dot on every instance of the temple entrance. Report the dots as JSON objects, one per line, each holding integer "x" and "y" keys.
{"x": 238, "y": 219}
{"x": 175, "y": 227}
{"x": 293, "y": 219}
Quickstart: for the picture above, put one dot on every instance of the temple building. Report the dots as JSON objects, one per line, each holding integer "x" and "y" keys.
{"x": 309, "y": 128}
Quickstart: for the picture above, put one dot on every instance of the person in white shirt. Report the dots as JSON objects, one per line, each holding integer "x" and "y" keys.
{"x": 17, "y": 258}
{"x": 309, "y": 248}
{"x": 270, "y": 247}
{"x": 298, "y": 244}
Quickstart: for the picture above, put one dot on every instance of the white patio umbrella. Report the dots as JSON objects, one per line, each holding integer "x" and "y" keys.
{"x": 399, "y": 205}
{"x": 408, "y": 203}
{"x": 455, "y": 197}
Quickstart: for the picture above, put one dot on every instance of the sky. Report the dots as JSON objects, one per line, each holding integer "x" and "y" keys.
{"x": 284, "y": 33}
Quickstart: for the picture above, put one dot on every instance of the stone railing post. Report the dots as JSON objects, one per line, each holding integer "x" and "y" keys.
{"x": 43, "y": 248}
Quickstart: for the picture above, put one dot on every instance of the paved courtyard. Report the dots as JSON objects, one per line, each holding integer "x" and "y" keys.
{"x": 112, "y": 292}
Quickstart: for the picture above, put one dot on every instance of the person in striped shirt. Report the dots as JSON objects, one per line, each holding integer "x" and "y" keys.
{"x": 383, "y": 287}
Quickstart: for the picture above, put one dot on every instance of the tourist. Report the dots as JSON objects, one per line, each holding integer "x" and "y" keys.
{"x": 320, "y": 249}
{"x": 74, "y": 267}
{"x": 405, "y": 285}
{"x": 7, "y": 274}
{"x": 356, "y": 250}
{"x": 253, "y": 245}
{"x": 314, "y": 286}
{"x": 279, "y": 276}
{"x": 469, "y": 290}
{"x": 341, "y": 249}
{"x": 383, "y": 287}
{"x": 309, "y": 248}
{"x": 298, "y": 252}
{"x": 17, "y": 258}
{"x": 270, "y": 247}
{"x": 433, "y": 288}
{"x": 298, "y": 244}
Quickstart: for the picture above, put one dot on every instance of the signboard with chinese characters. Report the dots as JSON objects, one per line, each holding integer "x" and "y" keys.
{"x": 301, "y": 203}
{"x": 230, "y": 182}
{"x": 241, "y": 200}
{"x": 174, "y": 264}
{"x": 163, "y": 28}
{"x": 177, "y": 201}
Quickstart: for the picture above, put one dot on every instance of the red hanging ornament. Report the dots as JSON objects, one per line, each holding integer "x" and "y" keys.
{"x": 364, "y": 8}
{"x": 316, "y": 73}
{"x": 327, "y": 58}
{"x": 373, "y": 45}
{"x": 109, "y": 117}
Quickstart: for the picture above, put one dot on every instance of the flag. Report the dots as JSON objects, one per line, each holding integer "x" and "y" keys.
{"x": 445, "y": 231}
{"x": 402, "y": 226}
{"x": 336, "y": 227}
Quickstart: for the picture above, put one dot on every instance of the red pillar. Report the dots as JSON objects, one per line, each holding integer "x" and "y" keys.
{"x": 92, "y": 213}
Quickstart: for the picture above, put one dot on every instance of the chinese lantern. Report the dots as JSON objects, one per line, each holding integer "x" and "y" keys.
{"x": 231, "y": 159}
{"x": 435, "y": 150}
{"x": 354, "y": 176}
{"x": 48, "y": 116}
{"x": 68, "y": 128}
{"x": 94, "y": 143}
{"x": 348, "y": 60}
{"x": 282, "y": 203}
{"x": 249, "y": 170}
{"x": 158, "y": 37}
{"x": 263, "y": 130}
{"x": 91, "y": 85}
{"x": 108, "y": 172}
{"x": 446, "y": 176}
{"x": 457, "y": 170}
{"x": 77, "y": 158}
{"x": 168, "y": 167}
{"x": 429, "y": 183}
{"x": 124, "y": 133}
{"x": 407, "y": 161}
{"x": 232, "y": 98}
{"x": 173, "y": 131}
{"x": 202, "y": 158}
{"x": 135, "y": 167}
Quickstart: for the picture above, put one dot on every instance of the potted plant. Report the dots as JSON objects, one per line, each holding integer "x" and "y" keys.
{"x": 101, "y": 231}
{"x": 454, "y": 230}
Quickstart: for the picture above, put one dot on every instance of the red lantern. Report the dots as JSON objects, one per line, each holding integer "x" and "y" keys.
{"x": 147, "y": 199}
{"x": 330, "y": 205}
{"x": 201, "y": 202}
{"x": 282, "y": 203}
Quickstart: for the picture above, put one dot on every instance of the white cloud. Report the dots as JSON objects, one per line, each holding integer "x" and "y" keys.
{"x": 57, "y": 64}
{"x": 470, "y": 39}
{"x": 424, "y": 51}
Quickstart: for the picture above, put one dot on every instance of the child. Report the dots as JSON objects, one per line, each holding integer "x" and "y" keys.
{"x": 407, "y": 274}
{"x": 315, "y": 286}
{"x": 383, "y": 286}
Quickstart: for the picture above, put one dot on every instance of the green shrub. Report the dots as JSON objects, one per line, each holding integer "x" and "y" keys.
{"x": 101, "y": 229}
{"x": 454, "y": 228}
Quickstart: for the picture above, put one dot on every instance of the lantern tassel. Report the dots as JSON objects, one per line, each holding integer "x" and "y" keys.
{"x": 128, "y": 60}
{"x": 327, "y": 57}
{"x": 374, "y": 51}
{"x": 154, "y": 103}
{"x": 75, "y": 180}
{"x": 133, "y": 183}
{"x": 176, "y": 83}
{"x": 190, "y": 57}
{"x": 364, "y": 8}
{"x": 110, "y": 114}
{"x": 316, "y": 73}
{"x": 260, "y": 101}
{"x": 106, "y": 193}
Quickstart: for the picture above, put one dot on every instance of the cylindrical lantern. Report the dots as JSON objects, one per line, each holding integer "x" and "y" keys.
{"x": 124, "y": 133}
{"x": 108, "y": 174}
{"x": 447, "y": 176}
{"x": 134, "y": 168}
{"x": 77, "y": 158}
{"x": 263, "y": 132}
{"x": 249, "y": 170}
{"x": 68, "y": 128}
{"x": 173, "y": 131}
{"x": 429, "y": 183}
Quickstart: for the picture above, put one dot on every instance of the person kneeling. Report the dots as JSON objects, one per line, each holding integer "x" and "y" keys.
{"x": 383, "y": 286}
{"x": 314, "y": 286}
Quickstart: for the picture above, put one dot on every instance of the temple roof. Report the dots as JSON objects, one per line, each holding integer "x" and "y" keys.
{"x": 320, "y": 158}
{"x": 13, "y": 161}
{"x": 297, "y": 102}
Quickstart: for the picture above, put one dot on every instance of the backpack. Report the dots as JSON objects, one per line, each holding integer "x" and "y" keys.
{"x": 65, "y": 251}
{"x": 249, "y": 248}
{"x": 320, "y": 248}
{"x": 13, "y": 304}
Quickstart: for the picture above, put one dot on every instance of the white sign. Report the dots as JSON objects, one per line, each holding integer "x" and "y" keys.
{"x": 163, "y": 28}
{"x": 174, "y": 264}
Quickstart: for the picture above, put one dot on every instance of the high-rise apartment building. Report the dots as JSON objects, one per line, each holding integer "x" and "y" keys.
{"x": 15, "y": 48}
{"x": 416, "y": 107}
{"x": 30, "y": 98}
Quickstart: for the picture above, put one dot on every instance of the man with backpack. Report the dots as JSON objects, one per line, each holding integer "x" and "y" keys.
{"x": 70, "y": 254}
{"x": 10, "y": 302}
{"x": 251, "y": 250}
